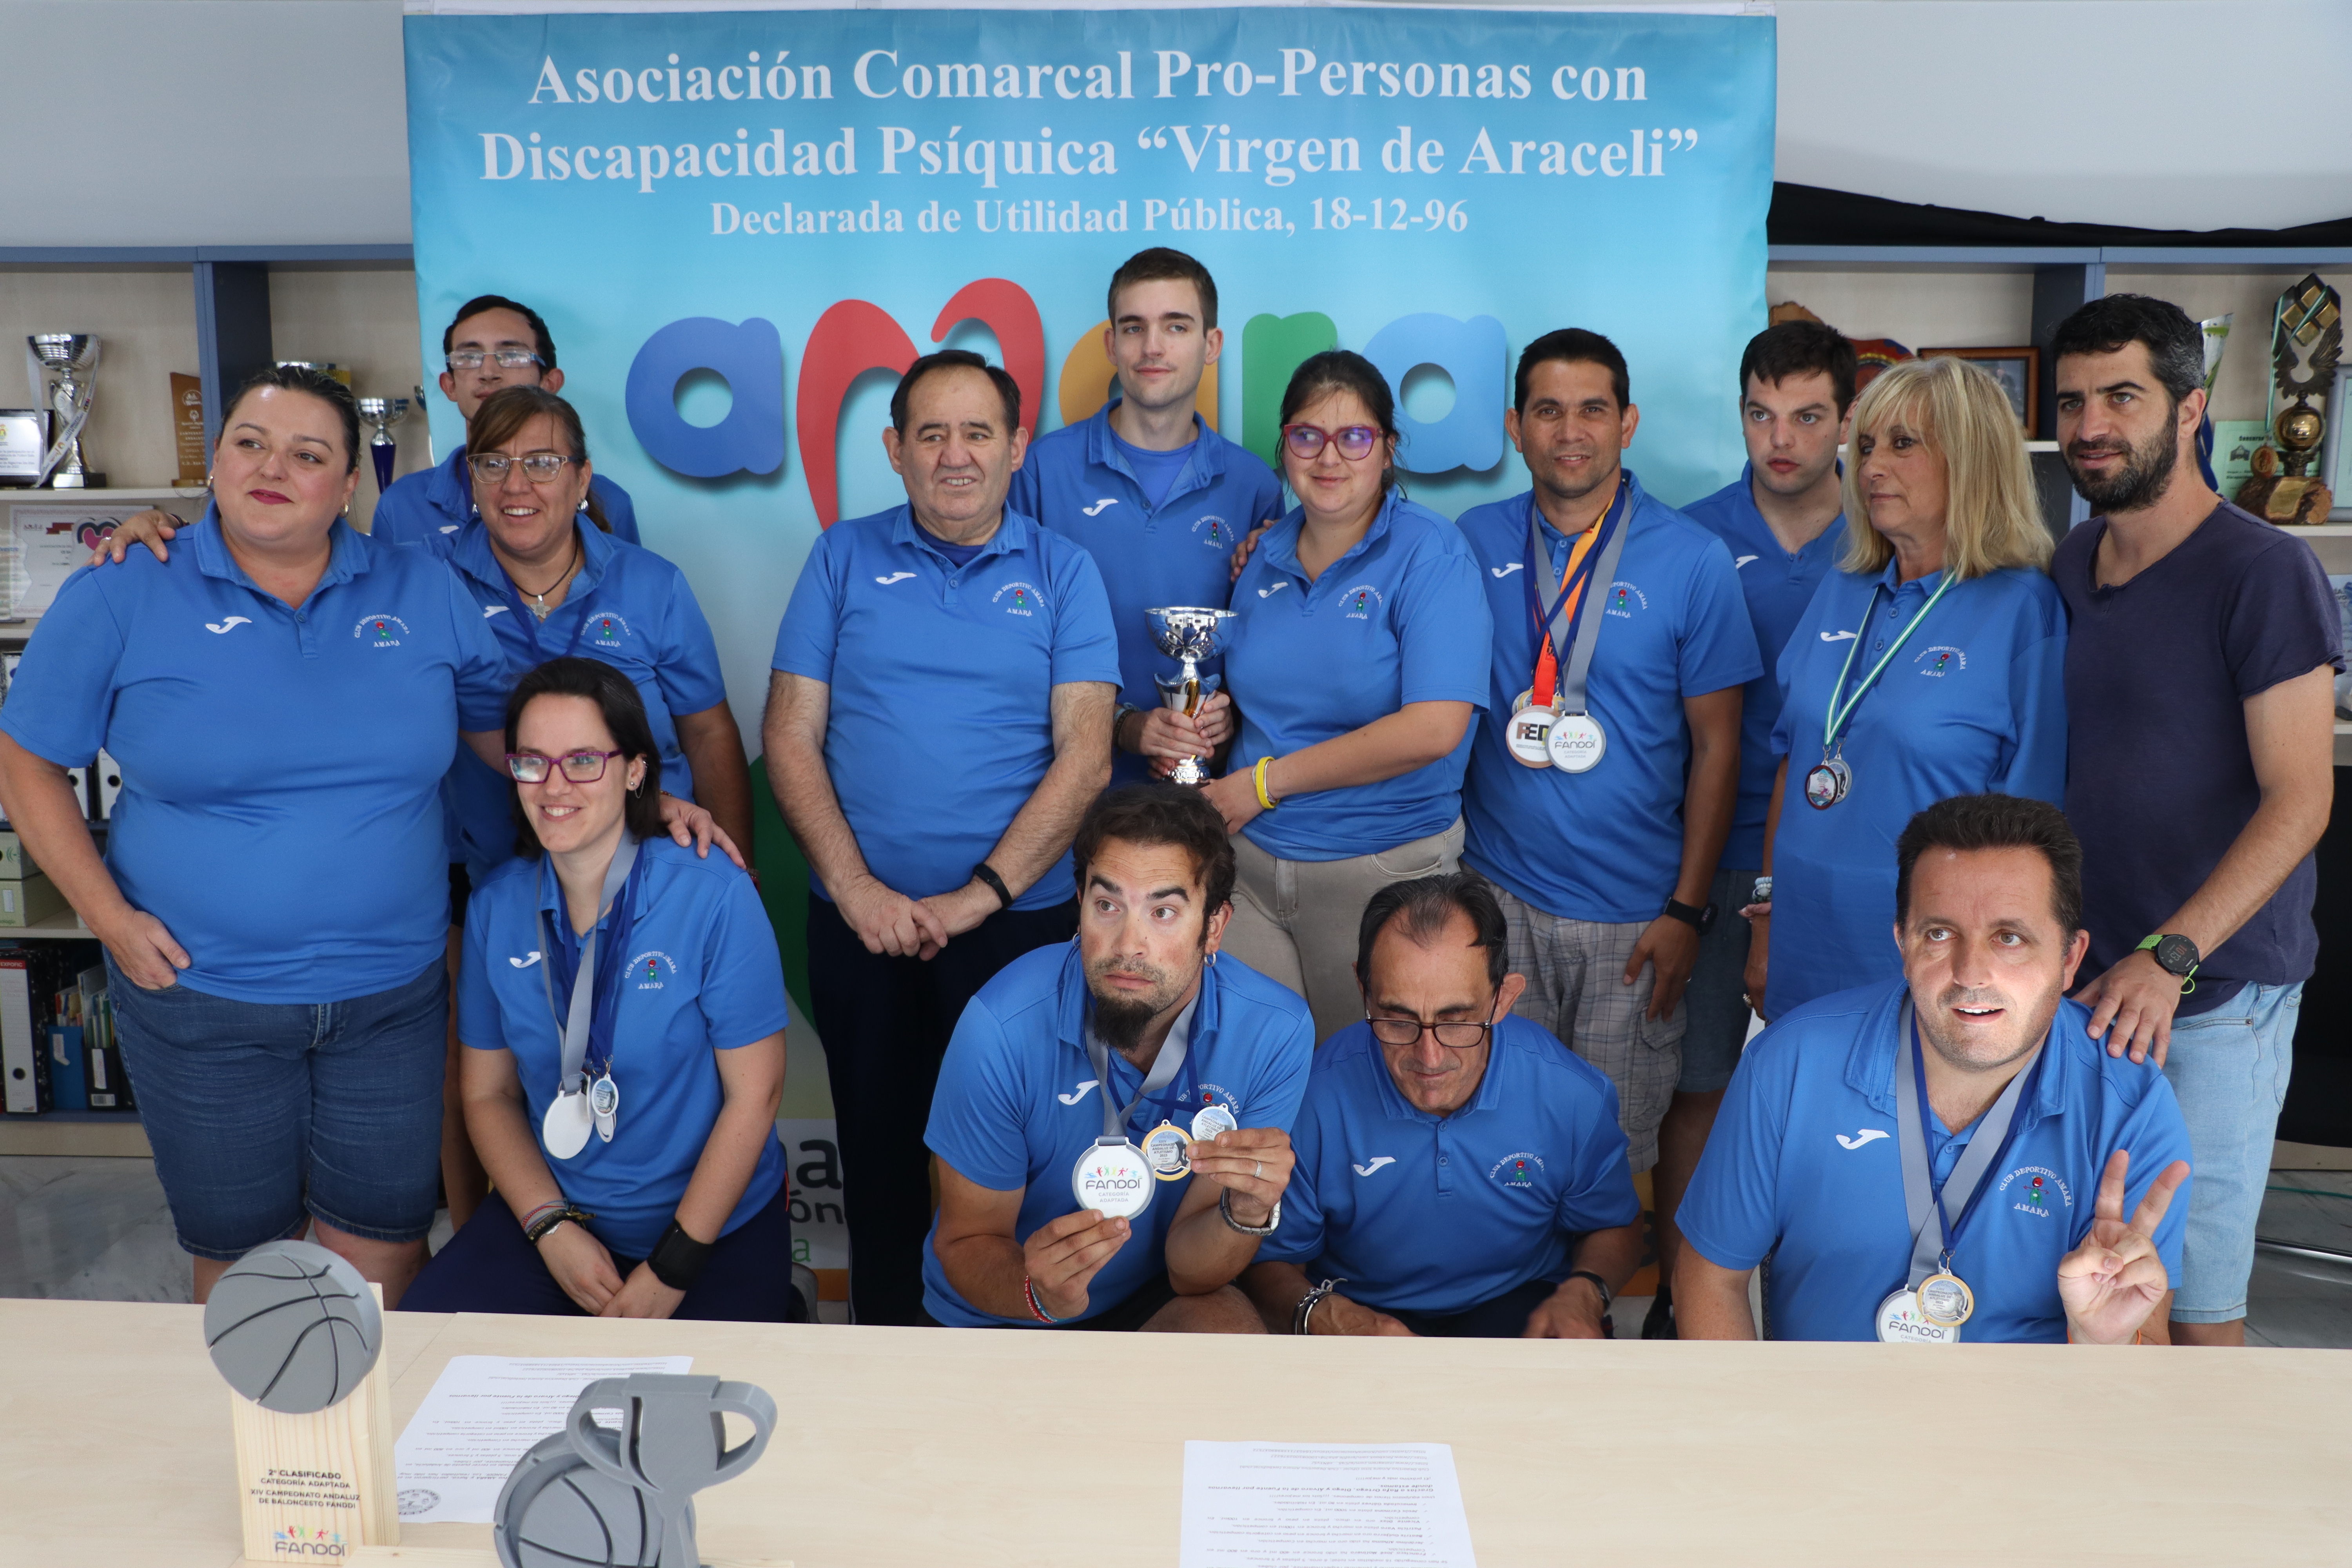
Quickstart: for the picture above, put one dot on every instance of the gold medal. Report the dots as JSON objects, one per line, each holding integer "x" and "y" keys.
{"x": 1945, "y": 1300}
{"x": 1168, "y": 1149}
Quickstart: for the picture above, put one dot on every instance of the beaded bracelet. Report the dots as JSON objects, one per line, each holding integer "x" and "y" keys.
{"x": 1029, "y": 1294}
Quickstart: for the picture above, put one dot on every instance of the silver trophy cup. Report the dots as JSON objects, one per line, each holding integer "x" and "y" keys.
{"x": 65, "y": 364}
{"x": 1189, "y": 636}
{"x": 381, "y": 414}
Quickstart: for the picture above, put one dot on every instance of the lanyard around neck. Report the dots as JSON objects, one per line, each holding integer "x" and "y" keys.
{"x": 1840, "y": 713}
{"x": 574, "y": 1026}
{"x": 1165, "y": 1067}
{"x": 1568, "y": 635}
{"x": 1934, "y": 1232}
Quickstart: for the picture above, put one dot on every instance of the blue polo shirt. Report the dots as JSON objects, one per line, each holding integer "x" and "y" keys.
{"x": 281, "y": 767}
{"x": 1805, "y": 1167}
{"x": 1778, "y": 587}
{"x": 1397, "y": 619}
{"x": 628, "y": 607}
{"x": 1974, "y": 703}
{"x": 1429, "y": 1213}
{"x": 941, "y": 725}
{"x": 1017, "y": 1102}
{"x": 429, "y": 506}
{"x": 703, "y": 976}
{"x": 1606, "y": 844}
{"x": 1178, "y": 550}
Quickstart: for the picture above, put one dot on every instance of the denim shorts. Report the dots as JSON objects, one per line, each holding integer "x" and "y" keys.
{"x": 2229, "y": 1070}
{"x": 266, "y": 1115}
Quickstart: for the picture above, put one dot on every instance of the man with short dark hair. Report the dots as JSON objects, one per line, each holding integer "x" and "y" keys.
{"x": 1919, "y": 1158}
{"x": 1157, "y": 497}
{"x": 1459, "y": 1171}
{"x": 1783, "y": 521}
{"x": 1088, "y": 1084}
{"x": 936, "y": 727}
{"x": 492, "y": 341}
{"x": 2200, "y": 767}
{"x": 1605, "y": 768}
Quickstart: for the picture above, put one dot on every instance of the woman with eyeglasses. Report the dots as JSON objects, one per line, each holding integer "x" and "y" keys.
{"x": 621, "y": 1008}
{"x": 284, "y": 695}
{"x": 1358, "y": 658}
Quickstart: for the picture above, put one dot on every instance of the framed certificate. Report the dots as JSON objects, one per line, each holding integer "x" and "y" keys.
{"x": 24, "y": 437}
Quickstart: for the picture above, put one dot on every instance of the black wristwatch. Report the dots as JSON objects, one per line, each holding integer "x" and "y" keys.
{"x": 1598, "y": 1284}
{"x": 1699, "y": 919}
{"x": 2174, "y": 955}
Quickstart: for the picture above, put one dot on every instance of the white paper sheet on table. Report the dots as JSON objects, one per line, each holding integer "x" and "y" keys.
{"x": 482, "y": 1413}
{"x": 1307, "y": 1505}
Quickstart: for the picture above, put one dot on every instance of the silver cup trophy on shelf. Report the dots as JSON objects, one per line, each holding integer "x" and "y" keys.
{"x": 63, "y": 367}
{"x": 383, "y": 414}
{"x": 1189, "y": 636}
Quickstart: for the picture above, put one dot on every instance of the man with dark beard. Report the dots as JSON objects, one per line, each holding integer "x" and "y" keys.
{"x": 2199, "y": 677}
{"x": 1089, "y": 1083}
{"x": 1945, "y": 1156}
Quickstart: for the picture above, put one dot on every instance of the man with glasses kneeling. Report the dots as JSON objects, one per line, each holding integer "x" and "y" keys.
{"x": 1949, "y": 1154}
{"x": 1461, "y": 1173}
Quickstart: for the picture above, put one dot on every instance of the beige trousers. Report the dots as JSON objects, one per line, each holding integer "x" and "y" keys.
{"x": 1295, "y": 921}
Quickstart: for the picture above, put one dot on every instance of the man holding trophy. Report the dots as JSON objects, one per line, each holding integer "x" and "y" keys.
{"x": 936, "y": 725}
{"x": 1159, "y": 499}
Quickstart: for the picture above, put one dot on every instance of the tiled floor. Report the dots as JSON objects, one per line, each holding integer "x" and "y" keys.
{"x": 96, "y": 1230}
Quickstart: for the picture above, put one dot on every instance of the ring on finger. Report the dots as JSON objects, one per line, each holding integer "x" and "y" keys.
{"x": 1257, "y": 1168}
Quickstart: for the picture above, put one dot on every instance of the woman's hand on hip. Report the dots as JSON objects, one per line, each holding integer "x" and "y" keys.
{"x": 580, "y": 1265}
{"x": 143, "y": 948}
{"x": 644, "y": 1295}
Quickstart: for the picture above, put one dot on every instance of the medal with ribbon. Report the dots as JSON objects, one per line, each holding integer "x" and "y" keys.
{"x": 1827, "y": 783}
{"x": 1549, "y": 726}
{"x": 1113, "y": 1177}
{"x": 585, "y": 1094}
{"x": 1933, "y": 1302}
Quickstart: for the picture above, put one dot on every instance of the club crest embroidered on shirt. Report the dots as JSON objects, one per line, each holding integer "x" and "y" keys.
{"x": 2036, "y": 1190}
{"x": 1939, "y": 660}
{"x": 1519, "y": 1170}
{"x": 1623, "y": 600}
{"x": 607, "y": 629}
{"x": 1214, "y": 532}
{"x": 380, "y": 630}
{"x": 1019, "y": 598}
{"x": 652, "y": 969}
{"x": 1359, "y": 602}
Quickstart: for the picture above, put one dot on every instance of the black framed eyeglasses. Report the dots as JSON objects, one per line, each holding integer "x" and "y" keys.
{"x": 1355, "y": 441}
{"x": 580, "y": 767}
{"x": 1454, "y": 1034}
{"x": 508, "y": 359}
{"x": 491, "y": 467}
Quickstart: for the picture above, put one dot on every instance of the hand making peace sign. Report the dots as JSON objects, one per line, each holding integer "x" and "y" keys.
{"x": 2114, "y": 1281}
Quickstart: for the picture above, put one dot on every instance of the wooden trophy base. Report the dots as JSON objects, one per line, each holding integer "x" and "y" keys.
{"x": 315, "y": 1489}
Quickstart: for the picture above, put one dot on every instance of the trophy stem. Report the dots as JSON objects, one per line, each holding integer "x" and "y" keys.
{"x": 383, "y": 453}
{"x": 1191, "y": 770}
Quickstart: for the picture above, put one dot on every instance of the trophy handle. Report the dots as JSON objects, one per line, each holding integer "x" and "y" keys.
{"x": 753, "y": 1404}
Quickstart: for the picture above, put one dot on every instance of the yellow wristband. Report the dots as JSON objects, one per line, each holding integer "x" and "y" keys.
{"x": 1257, "y": 777}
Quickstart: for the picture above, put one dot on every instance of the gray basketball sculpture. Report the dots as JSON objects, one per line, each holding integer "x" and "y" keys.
{"x": 589, "y": 1498}
{"x": 293, "y": 1327}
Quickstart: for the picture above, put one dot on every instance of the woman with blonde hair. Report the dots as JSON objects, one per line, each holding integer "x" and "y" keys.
{"x": 1931, "y": 664}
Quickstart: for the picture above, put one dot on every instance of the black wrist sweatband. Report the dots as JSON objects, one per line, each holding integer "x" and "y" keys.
{"x": 677, "y": 1259}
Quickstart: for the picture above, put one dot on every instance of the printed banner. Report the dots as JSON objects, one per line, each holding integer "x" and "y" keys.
{"x": 741, "y": 226}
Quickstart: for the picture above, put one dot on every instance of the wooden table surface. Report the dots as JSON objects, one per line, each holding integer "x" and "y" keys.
{"x": 974, "y": 1448}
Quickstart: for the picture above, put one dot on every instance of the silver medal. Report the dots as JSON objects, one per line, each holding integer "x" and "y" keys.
{"x": 563, "y": 1130}
{"x": 1826, "y": 785}
{"x": 1901, "y": 1322}
{"x": 604, "y": 1104}
{"x": 1113, "y": 1178}
{"x": 1211, "y": 1119}
{"x": 1575, "y": 743}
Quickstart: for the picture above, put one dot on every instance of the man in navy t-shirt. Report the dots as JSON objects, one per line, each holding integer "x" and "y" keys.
{"x": 2200, "y": 675}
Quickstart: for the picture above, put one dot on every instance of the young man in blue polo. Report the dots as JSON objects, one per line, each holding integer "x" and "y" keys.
{"x": 1461, "y": 1173}
{"x": 1606, "y": 764}
{"x": 493, "y": 342}
{"x": 1159, "y": 497}
{"x": 938, "y": 721}
{"x": 1783, "y": 519}
{"x": 1949, "y": 1155}
{"x": 1112, "y": 1120}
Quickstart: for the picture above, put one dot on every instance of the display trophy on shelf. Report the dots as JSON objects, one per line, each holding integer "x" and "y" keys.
{"x": 2306, "y": 341}
{"x": 625, "y": 1499}
{"x": 381, "y": 414}
{"x": 62, "y": 367}
{"x": 298, "y": 1334}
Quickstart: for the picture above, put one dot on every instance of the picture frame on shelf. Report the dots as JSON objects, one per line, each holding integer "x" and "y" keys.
{"x": 23, "y": 442}
{"x": 2018, "y": 372}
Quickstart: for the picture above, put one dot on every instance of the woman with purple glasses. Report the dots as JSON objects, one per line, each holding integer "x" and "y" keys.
{"x": 1357, "y": 659}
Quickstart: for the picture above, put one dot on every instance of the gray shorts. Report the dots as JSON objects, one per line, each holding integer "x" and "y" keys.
{"x": 1576, "y": 988}
{"x": 1717, "y": 998}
